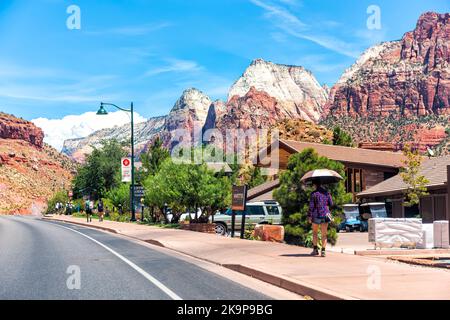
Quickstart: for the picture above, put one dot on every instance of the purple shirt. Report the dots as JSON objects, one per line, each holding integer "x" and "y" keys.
{"x": 320, "y": 204}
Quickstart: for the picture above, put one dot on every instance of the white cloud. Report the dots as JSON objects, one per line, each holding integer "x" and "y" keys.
{"x": 175, "y": 65}
{"x": 283, "y": 19}
{"x": 80, "y": 126}
{"x": 138, "y": 30}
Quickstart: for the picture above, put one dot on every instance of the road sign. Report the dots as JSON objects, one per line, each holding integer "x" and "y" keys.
{"x": 139, "y": 191}
{"x": 126, "y": 170}
{"x": 239, "y": 202}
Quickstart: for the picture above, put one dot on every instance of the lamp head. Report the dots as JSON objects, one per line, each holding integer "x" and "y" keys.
{"x": 102, "y": 111}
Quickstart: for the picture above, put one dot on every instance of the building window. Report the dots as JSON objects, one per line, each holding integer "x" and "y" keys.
{"x": 354, "y": 182}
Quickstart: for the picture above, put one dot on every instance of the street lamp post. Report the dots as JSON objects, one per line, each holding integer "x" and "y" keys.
{"x": 103, "y": 112}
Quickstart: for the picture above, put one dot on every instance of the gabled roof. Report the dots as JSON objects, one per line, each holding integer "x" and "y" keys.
{"x": 349, "y": 155}
{"x": 434, "y": 170}
{"x": 264, "y": 190}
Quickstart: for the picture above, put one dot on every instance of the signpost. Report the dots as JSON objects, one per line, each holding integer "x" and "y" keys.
{"x": 139, "y": 194}
{"x": 239, "y": 203}
{"x": 126, "y": 170}
{"x": 139, "y": 191}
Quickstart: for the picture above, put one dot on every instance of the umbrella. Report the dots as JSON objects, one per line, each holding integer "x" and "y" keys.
{"x": 323, "y": 176}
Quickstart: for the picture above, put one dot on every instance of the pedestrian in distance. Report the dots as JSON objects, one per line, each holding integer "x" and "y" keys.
{"x": 88, "y": 211}
{"x": 101, "y": 210}
{"x": 320, "y": 216}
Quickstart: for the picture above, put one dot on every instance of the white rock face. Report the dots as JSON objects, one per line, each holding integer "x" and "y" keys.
{"x": 191, "y": 107}
{"x": 144, "y": 132}
{"x": 371, "y": 53}
{"x": 294, "y": 87}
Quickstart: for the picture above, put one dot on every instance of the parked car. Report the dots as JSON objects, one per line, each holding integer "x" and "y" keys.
{"x": 267, "y": 212}
{"x": 184, "y": 216}
{"x": 352, "y": 219}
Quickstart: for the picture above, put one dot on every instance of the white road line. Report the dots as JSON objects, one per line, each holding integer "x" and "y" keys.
{"x": 156, "y": 282}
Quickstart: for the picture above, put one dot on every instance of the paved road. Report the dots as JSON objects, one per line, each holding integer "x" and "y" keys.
{"x": 35, "y": 257}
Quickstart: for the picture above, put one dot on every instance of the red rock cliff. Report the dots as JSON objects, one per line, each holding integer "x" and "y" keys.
{"x": 410, "y": 77}
{"x": 19, "y": 129}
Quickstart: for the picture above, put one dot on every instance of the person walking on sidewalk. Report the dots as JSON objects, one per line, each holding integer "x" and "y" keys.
{"x": 320, "y": 216}
{"x": 88, "y": 207}
{"x": 101, "y": 210}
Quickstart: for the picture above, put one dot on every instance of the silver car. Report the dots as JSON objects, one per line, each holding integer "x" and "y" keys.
{"x": 267, "y": 212}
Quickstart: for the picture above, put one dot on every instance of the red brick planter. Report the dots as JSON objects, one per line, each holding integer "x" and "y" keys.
{"x": 199, "y": 227}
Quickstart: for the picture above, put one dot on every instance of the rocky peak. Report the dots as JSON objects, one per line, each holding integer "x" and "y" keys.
{"x": 294, "y": 87}
{"x": 192, "y": 106}
{"x": 410, "y": 77}
{"x": 429, "y": 43}
{"x": 255, "y": 110}
{"x": 19, "y": 129}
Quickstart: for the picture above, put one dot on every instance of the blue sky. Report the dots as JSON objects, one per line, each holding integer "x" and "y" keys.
{"x": 150, "y": 51}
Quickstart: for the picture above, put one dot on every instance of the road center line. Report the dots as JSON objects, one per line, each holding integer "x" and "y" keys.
{"x": 146, "y": 275}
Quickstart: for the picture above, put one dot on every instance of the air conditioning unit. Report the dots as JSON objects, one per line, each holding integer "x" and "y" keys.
{"x": 441, "y": 235}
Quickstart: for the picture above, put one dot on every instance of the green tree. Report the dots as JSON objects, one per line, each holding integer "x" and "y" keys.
{"x": 294, "y": 197}
{"x": 187, "y": 187}
{"x": 101, "y": 172}
{"x": 342, "y": 138}
{"x": 120, "y": 197}
{"x": 411, "y": 176}
{"x": 153, "y": 159}
{"x": 59, "y": 197}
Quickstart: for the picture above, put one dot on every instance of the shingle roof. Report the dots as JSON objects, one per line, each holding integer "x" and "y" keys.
{"x": 434, "y": 170}
{"x": 263, "y": 189}
{"x": 350, "y": 155}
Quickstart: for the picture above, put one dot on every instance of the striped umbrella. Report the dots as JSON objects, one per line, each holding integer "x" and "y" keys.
{"x": 323, "y": 176}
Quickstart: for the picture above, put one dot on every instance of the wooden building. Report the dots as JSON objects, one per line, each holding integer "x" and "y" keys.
{"x": 364, "y": 168}
{"x": 434, "y": 207}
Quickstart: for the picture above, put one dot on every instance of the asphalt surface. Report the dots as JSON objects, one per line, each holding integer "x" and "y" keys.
{"x": 42, "y": 260}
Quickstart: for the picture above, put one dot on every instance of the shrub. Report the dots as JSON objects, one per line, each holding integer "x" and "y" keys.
{"x": 294, "y": 197}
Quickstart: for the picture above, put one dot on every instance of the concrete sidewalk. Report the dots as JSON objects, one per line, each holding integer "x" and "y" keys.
{"x": 339, "y": 276}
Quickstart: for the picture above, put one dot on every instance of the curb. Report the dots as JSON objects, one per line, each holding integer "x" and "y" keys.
{"x": 402, "y": 252}
{"x": 298, "y": 288}
{"x": 295, "y": 287}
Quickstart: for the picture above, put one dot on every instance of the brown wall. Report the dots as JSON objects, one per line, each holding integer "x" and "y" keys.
{"x": 448, "y": 196}
{"x": 372, "y": 178}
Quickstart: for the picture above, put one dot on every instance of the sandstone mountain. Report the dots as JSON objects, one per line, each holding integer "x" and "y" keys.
{"x": 265, "y": 94}
{"x": 410, "y": 77}
{"x": 188, "y": 114}
{"x": 77, "y": 149}
{"x": 398, "y": 92}
{"x": 191, "y": 108}
{"x": 30, "y": 172}
{"x": 298, "y": 93}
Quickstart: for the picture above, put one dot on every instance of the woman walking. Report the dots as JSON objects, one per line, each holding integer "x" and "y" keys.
{"x": 320, "y": 216}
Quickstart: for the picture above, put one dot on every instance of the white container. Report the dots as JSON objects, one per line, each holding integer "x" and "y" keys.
{"x": 396, "y": 232}
{"x": 428, "y": 238}
{"x": 441, "y": 235}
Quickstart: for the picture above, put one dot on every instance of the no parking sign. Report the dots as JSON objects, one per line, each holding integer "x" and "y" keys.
{"x": 126, "y": 170}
